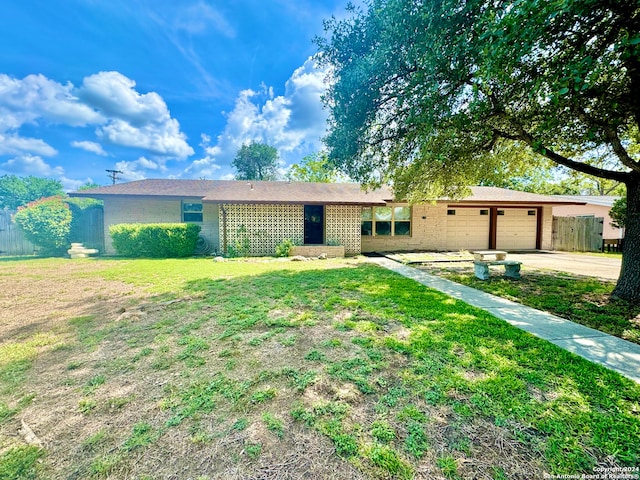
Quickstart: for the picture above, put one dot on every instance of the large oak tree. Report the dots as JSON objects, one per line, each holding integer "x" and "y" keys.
{"x": 434, "y": 95}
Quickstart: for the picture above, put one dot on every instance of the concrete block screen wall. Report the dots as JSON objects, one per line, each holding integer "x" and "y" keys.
{"x": 265, "y": 225}
{"x": 268, "y": 225}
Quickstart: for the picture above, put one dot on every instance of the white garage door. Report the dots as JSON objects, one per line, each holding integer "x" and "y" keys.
{"x": 467, "y": 229}
{"x": 516, "y": 229}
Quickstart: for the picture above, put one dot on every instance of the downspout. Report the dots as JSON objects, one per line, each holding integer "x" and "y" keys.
{"x": 224, "y": 229}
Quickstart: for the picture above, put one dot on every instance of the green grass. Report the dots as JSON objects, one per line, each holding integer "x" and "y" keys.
{"x": 274, "y": 425}
{"x": 580, "y": 299}
{"x": 20, "y": 463}
{"x": 257, "y": 353}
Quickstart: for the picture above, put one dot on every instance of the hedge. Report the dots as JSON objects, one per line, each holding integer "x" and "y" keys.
{"x": 155, "y": 240}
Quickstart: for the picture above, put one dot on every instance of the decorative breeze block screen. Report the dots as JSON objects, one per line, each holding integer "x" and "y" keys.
{"x": 343, "y": 225}
{"x": 265, "y": 225}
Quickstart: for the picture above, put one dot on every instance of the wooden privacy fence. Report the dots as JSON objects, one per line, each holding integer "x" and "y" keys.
{"x": 90, "y": 231}
{"x": 577, "y": 234}
{"x": 12, "y": 241}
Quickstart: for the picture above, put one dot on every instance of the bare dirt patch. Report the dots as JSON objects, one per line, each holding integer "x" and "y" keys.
{"x": 35, "y": 301}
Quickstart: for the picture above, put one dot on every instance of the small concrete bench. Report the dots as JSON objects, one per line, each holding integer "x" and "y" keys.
{"x": 77, "y": 250}
{"x": 511, "y": 268}
{"x": 481, "y": 255}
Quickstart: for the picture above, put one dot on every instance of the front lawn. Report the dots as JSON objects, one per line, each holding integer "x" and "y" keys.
{"x": 153, "y": 369}
{"x": 584, "y": 300}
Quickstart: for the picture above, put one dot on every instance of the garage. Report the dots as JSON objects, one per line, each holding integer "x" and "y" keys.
{"x": 468, "y": 228}
{"x": 516, "y": 229}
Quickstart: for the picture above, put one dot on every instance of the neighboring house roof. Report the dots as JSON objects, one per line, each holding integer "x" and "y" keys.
{"x": 235, "y": 191}
{"x": 601, "y": 200}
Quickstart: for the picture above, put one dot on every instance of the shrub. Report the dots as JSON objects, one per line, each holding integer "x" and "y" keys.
{"x": 157, "y": 240}
{"x": 283, "y": 249}
{"x": 46, "y": 223}
{"x": 241, "y": 245}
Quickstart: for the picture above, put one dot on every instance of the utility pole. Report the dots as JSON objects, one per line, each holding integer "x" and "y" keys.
{"x": 113, "y": 175}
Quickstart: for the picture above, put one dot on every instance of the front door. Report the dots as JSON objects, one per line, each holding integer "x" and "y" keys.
{"x": 313, "y": 224}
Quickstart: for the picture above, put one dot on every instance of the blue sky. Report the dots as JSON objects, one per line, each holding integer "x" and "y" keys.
{"x": 157, "y": 88}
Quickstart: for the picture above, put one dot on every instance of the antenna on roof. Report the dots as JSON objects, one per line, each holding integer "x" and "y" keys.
{"x": 113, "y": 175}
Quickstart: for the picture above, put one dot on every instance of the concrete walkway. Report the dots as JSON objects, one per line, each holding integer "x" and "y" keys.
{"x": 598, "y": 347}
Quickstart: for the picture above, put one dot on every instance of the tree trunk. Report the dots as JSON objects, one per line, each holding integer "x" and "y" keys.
{"x": 628, "y": 286}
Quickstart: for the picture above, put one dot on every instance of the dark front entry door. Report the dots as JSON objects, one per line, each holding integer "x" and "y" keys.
{"x": 313, "y": 224}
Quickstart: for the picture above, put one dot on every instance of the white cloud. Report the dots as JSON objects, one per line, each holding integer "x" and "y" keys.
{"x": 206, "y": 167}
{"x": 31, "y": 165}
{"x": 37, "y": 97}
{"x": 90, "y": 147}
{"x": 135, "y": 120}
{"x": 70, "y": 184}
{"x": 165, "y": 140}
{"x": 199, "y": 18}
{"x": 294, "y": 123}
{"x": 15, "y": 145}
{"x": 137, "y": 170}
{"x": 114, "y": 94}
{"x": 108, "y": 100}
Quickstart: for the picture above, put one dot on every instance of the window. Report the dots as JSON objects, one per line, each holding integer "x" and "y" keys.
{"x": 191, "y": 212}
{"x": 386, "y": 221}
{"x": 531, "y": 213}
{"x": 451, "y": 212}
{"x": 500, "y": 212}
{"x": 401, "y": 221}
{"x": 382, "y": 216}
{"x": 366, "y": 228}
{"x": 484, "y": 212}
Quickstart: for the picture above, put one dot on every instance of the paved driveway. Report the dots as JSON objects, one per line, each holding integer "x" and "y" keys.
{"x": 580, "y": 264}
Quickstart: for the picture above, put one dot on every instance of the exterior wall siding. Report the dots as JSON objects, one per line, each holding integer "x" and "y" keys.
{"x": 211, "y": 226}
{"x": 608, "y": 232}
{"x": 264, "y": 225}
{"x": 128, "y": 210}
{"x": 547, "y": 228}
{"x": 429, "y": 231}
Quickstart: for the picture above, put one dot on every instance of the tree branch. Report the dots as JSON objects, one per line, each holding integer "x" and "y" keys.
{"x": 560, "y": 159}
{"x": 612, "y": 137}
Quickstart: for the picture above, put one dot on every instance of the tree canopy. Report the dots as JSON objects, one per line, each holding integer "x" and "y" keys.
{"x": 433, "y": 96}
{"x": 256, "y": 161}
{"x": 618, "y": 213}
{"x": 17, "y": 191}
{"x": 314, "y": 168}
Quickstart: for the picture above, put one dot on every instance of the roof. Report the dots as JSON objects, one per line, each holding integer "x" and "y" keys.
{"x": 601, "y": 200}
{"x": 235, "y": 191}
{"x": 488, "y": 195}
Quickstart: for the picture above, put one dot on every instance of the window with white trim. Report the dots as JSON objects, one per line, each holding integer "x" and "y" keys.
{"x": 386, "y": 222}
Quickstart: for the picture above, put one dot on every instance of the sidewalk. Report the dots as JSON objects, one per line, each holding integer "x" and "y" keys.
{"x": 598, "y": 347}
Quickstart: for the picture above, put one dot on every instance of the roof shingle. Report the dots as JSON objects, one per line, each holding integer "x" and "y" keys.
{"x": 234, "y": 191}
